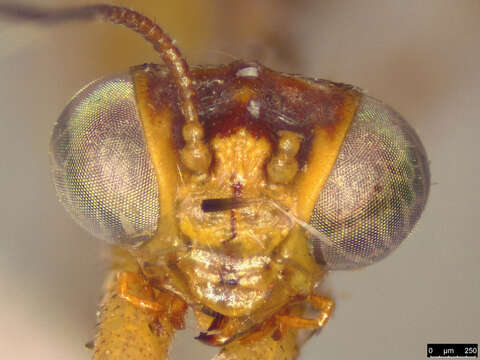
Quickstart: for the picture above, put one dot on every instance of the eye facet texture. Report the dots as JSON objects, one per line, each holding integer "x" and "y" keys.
{"x": 101, "y": 168}
{"x": 375, "y": 192}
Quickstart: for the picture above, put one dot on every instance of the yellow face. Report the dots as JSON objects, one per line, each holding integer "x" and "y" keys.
{"x": 227, "y": 238}
{"x": 231, "y": 182}
{"x": 236, "y": 211}
{"x": 238, "y": 173}
{"x": 231, "y": 268}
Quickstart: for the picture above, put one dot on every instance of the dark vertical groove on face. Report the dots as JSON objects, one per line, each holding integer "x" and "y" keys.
{"x": 237, "y": 191}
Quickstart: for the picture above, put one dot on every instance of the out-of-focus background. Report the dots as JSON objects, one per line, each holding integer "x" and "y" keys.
{"x": 422, "y": 57}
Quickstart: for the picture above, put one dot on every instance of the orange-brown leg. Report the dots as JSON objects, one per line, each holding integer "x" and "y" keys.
{"x": 171, "y": 304}
{"x": 278, "y": 325}
{"x": 124, "y": 279}
{"x": 260, "y": 345}
{"x": 126, "y": 331}
{"x": 266, "y": 328}
{"x": 324, "y": 304}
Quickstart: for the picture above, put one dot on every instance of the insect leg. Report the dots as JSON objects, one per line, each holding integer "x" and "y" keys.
{"x": 126, "y": 277}
{"x": 126, "y": 331}
{"x": 175, "y": 309}
{"x": 324, "y": 304}
{"x": 265, "y": 347}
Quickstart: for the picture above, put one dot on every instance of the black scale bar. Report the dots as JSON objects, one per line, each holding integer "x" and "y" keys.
{"x": 452, "y": 350}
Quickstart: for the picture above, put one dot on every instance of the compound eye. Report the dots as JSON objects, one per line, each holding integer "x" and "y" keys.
{"x": 375, "y": 192}
{"x": 101, "y": 168}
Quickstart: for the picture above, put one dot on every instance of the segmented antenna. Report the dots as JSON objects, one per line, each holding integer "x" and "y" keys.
{"x": 135, "y": 21}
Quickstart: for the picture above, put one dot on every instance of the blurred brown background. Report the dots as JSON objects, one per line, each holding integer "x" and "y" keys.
{"x": 422, "y": 57}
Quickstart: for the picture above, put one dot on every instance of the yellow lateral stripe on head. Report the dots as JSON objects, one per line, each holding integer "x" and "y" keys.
{"x": 323, "y": 154}
{"x": 157, "y": 128}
